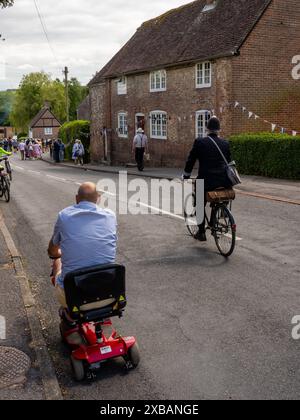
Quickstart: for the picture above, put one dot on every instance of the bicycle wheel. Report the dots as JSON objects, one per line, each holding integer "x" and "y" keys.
{"x": 190, "y": 218}
{"x": 224, "y": 230}
{"x": 5, "y": 188}
{"x": 8, "y": 169}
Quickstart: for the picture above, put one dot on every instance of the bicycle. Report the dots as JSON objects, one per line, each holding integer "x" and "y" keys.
{"x": 221, "y": 224}
{"x": 7, "y": 166}
{"x": 4, "y": 185}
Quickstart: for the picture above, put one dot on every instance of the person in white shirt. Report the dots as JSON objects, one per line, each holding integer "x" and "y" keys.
{"x": 22, "y": 146}
{"x": 140, "y": 146}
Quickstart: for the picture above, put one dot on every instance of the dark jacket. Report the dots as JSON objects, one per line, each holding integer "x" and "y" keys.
{"x": 212, "y": 167}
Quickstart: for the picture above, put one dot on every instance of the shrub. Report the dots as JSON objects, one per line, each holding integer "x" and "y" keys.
{"x": 265, "y": 154}
{"x": 73, "y": 130}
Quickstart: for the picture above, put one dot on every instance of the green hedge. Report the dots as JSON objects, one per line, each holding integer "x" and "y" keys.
{"x": 73, "y": 130}
{"x": 265, "y": 154}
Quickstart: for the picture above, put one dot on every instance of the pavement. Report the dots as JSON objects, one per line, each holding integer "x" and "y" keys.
{"x": 276, "y": 189}
{"x": 16, "y": 381}
{"x": 208, "y": 328}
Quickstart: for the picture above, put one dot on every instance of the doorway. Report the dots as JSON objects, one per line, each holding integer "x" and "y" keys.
{"x": 140, "y": 121}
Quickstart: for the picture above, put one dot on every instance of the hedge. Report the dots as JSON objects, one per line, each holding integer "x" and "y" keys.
{"x": 73, "y": 130}
{"x": 265, "y": 154}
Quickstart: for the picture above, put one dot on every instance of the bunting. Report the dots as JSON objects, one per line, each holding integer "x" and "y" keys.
{"x": 254, "y": 116}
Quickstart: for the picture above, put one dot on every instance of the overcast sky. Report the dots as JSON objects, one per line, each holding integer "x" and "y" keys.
{"x": 84, "y": 35}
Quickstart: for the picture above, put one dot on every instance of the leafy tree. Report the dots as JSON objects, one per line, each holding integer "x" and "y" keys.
{"x": 6, "y": 3}
{"x": 34, "y": 90}
{"x": 37, "y": 88}
{"x": 6, "y": 101}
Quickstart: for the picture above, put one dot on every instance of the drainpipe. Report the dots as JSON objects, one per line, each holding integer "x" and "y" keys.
{"x": 109, "y": 133}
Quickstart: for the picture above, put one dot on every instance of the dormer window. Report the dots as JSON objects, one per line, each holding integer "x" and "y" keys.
{"x": 203, "y": 75}
{"x": 122, "y": 86}
{"x": 158, "y": 81}
{"x": 210, "y": 5}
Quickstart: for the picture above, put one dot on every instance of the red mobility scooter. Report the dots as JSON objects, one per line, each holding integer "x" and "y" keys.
{"x": 94, "y": 296}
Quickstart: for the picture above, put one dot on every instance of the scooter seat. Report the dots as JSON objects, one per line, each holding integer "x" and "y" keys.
{"x": 96, "y": 293}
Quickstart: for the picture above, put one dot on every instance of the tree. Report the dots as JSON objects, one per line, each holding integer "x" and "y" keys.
{"x": 34, "y": 90}
{"x": 6, "y": 3}
{"x": 6, "y": 101}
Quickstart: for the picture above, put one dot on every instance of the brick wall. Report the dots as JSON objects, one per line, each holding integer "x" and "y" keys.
{"x": 262, "y": 79}
{"x": 39, "y": 133}
{"x": 180, "y": 102}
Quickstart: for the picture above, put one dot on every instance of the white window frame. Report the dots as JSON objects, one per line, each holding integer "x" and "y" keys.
{"x": 48, "y": 131}
{"x": 158, "y": 81}
{"x": 122, "y": 86}
{"x": 157, "y": 133}
{"x": 205, "y": 115}
{"x": 201, "y": 70}
{"x": 123, "y": 125}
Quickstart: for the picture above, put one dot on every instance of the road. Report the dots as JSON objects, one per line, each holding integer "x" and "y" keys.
{"x": 208, "y": 328}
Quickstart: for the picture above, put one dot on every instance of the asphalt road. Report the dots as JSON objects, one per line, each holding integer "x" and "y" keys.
{"x": 208, "y": 328}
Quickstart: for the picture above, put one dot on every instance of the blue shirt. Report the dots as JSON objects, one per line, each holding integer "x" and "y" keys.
{"x": 87, "y": 236}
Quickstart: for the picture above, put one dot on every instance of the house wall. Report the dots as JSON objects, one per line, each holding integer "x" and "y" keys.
{"x": 6, "y": 132}
{"x": 39, "y": 133}
{"x": 181, "y": 101}
{"x": 262, "y": 74}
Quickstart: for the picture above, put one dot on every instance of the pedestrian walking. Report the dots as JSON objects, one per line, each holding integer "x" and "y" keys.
{"x": 22, "y": 146}
{"x": 78, "y": 152}
{"x": 140, "y": 146}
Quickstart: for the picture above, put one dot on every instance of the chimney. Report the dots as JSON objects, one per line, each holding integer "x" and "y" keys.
{"x": 47, "y": 104}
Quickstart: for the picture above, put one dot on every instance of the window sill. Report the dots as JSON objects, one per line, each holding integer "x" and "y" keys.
{"x": 157, "y": 90}
{"x": 158, "y": 138}
{"x": 203, "y": 86}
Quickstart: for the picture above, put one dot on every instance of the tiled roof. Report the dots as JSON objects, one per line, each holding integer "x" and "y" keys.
{"x": 186, "y": 34}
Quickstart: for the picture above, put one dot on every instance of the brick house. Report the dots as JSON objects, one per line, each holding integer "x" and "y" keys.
{"x": 6, "y": 132}
{"x": 179, "y": 67}
{"x": 44, "y": 125}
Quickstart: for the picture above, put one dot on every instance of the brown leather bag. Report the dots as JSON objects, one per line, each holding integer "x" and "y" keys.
{"x": 219, "y": 196}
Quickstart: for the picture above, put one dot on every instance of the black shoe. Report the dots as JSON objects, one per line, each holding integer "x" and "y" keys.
{"x": 201, "y": 237}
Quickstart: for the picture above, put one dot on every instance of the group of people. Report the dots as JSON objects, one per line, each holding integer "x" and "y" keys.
{"x": 9, "y": 145}
{"x": 30, "y": 149}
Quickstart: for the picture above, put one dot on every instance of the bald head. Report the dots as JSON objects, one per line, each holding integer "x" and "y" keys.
{"x": 88, "y": 192}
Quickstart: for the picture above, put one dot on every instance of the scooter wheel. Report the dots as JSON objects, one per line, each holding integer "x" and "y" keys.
{"x": 134, "y": 355}
{"x": 78, "y": 369}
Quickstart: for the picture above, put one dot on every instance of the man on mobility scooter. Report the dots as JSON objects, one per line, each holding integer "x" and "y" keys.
{"x": 90, "y": 287}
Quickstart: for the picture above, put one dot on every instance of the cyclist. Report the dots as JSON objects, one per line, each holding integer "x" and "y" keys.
{"x": 211, "y": 164}
{"x": 4, "y": 153}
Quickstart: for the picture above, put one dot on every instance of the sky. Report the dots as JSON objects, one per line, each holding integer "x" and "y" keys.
{"x": 83, "y": 35}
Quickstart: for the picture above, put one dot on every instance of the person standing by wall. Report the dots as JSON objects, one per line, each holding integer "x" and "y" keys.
{"x": 140, "y": 146}
{"x": 56, "y": 150}
{"x": 61, "y": 151}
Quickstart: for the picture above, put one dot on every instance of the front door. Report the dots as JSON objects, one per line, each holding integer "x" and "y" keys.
{"x": 140, "y": 121}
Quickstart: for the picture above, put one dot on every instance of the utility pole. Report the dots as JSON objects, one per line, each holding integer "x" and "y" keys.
{"x": 66, "y": 72}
